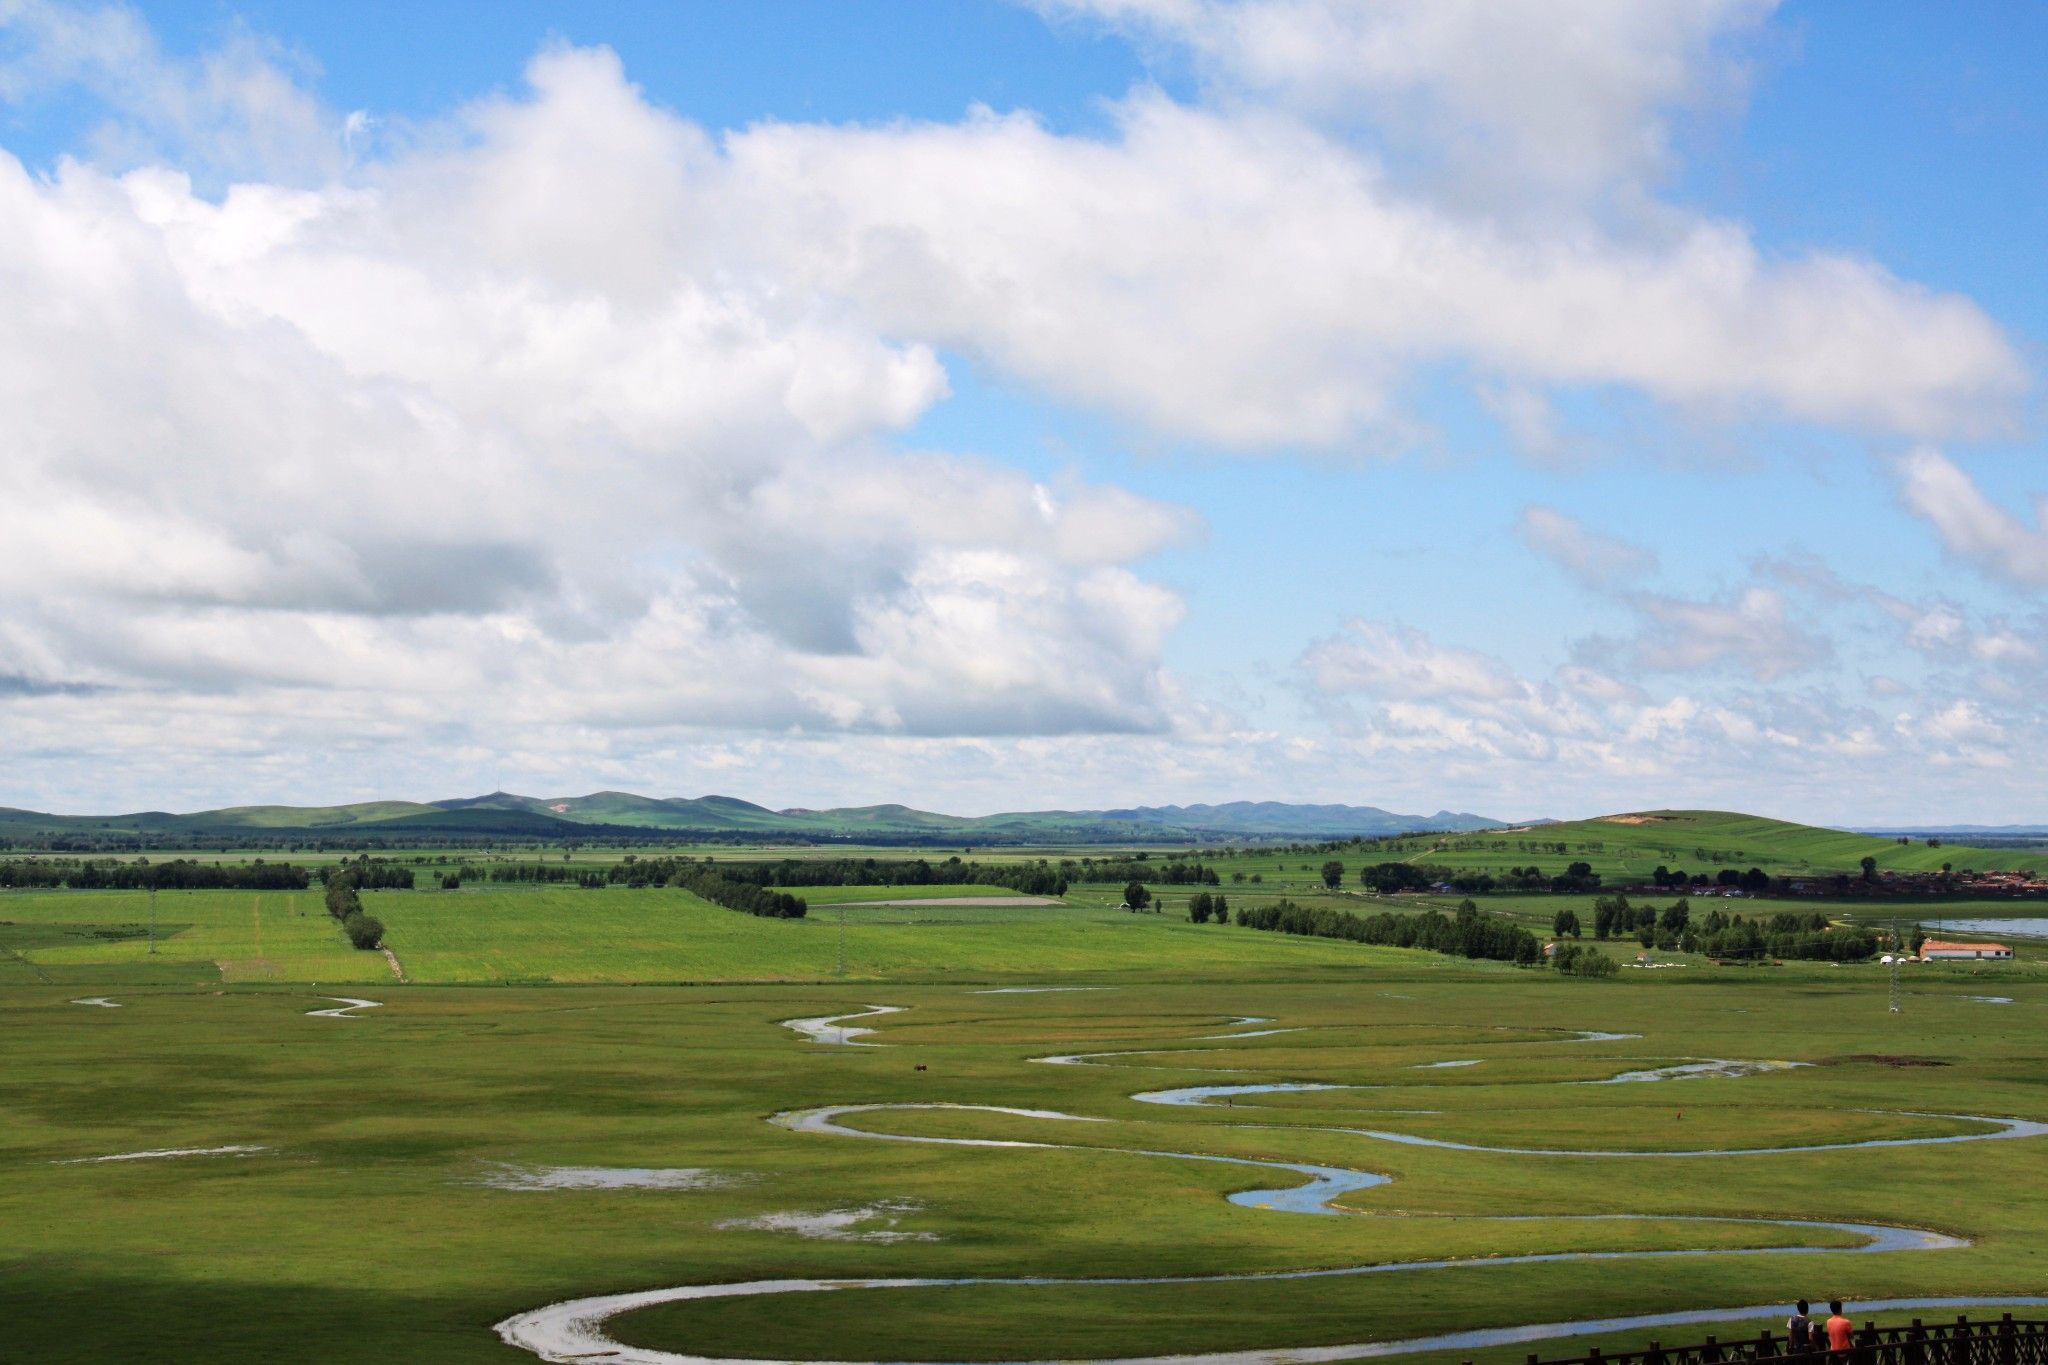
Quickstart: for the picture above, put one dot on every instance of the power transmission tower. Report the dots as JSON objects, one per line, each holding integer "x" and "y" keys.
{"x": 1898, "y": 951}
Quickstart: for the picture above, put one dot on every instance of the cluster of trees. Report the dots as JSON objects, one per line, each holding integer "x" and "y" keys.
{"x": 1582, "y": 959}
{"x": 1787, "y": 934}
{"x": 371, "y": 874}
{"x": 180, "y": 874}
{"x": 1782, "y": 935}
{"x": 1467, "y": 934}
{"x": 1136, "y": 897}
{"x": 346, "y": 904}
{"x": 1614, "y": 917}
{"x": 1391, "y": 877}
{"x": 1756, "y": 881}
{"x": 1578, "y": 876}
{"x": 1202, "y": 907}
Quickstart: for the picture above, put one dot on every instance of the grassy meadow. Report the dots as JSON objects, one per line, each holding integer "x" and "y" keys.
{"x": 529, "y": 1037}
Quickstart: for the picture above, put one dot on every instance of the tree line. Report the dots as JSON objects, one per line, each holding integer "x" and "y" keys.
{"x": 179, "y": 874}
{"x": 1467, "y": 934}
{"x": 720, "y": 888}
{"x": 344, "y": 902}
{"x": 1130, "y": 870}
{"x": 1032, "y": 879}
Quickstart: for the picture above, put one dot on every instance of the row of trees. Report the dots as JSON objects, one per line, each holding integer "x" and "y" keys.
{"x": 1467, "y": 934}
{"x": 747, "y": 897}
{"x": 1031, "y": 879}
{"x": 1131, "y": 870}
{"x": 180, "y": 874}
{"x": 345, "y": 903}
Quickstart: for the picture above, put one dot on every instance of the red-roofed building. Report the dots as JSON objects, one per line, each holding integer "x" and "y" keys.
{"x": 1934, "y": 950}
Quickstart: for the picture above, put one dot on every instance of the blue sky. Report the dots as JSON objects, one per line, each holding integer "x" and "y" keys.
{"x": 1530, "y": 409}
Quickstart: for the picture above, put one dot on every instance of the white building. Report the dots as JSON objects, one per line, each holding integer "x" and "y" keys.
{"x": 1934, "y": 950}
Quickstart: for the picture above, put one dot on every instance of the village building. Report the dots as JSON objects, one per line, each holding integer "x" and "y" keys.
{"x": 1934, "y": 950}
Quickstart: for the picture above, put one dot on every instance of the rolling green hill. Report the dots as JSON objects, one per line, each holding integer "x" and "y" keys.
{"x": 1630, "y": 846}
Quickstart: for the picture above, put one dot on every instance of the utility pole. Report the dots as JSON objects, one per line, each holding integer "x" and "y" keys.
{"x": 1898, "y": 951}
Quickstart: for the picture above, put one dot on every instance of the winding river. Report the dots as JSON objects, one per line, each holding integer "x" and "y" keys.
{"x": 575, "y": 1330}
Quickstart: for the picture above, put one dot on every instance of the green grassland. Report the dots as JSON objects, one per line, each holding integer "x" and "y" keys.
{"x": 534, "y": 1030}
{"x": 363, "y": 1233}
{"x": 534, "y": 935}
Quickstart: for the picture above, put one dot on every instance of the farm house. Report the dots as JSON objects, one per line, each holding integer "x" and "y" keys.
{"x": 1935, "y": 950}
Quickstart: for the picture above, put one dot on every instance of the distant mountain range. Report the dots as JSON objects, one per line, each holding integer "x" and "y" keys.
{"x": 606, "y": 814}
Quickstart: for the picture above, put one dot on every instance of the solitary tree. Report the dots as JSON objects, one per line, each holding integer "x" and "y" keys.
{"x": 1333, "y": 874}
{"x": 1136, "y": 896}
{"x": 1869, "y": 869}
{"x": 364, "y": 931}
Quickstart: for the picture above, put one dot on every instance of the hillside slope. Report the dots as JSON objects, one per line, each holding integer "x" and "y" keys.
{"x": 1632, "y": 844}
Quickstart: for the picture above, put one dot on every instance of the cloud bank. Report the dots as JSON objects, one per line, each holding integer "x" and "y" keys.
{"x": 563, "y": 424}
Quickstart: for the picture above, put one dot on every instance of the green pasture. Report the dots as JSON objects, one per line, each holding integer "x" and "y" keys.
{"x": 364, "y": 1231}
{"x": 201, "y": 937}
{"x": 498, "y": 934}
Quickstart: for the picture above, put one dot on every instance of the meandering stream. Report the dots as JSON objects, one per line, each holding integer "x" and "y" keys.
{"x": 575, "y": 1330}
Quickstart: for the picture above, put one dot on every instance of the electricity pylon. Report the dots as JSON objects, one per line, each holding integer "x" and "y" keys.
{"x": 1898, "y": 951}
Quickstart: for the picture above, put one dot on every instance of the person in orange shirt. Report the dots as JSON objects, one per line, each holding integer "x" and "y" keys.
{"x": 1841, "y": 1332}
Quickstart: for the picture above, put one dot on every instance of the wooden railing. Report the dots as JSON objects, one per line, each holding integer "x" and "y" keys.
{"x": 2004, "y": 1341}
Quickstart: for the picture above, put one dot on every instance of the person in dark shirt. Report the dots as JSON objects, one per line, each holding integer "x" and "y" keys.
{"x": 1799, "y": 1332}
